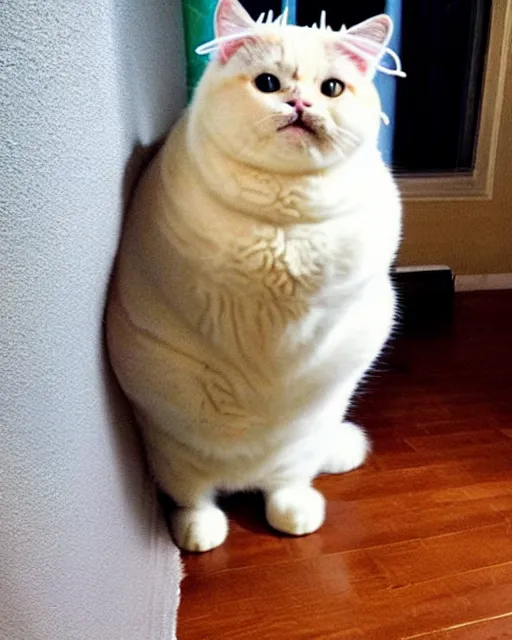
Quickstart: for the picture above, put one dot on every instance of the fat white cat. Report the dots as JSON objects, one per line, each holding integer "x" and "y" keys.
{"x": 252, "y": 288}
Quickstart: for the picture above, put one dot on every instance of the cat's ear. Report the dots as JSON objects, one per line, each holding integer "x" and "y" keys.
{"x": 231, "y": 19}
{"x": 366, "y": 42}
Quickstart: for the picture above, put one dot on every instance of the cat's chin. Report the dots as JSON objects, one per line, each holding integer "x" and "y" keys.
{"x": 298, "y": 128}
{"x": 290, "y": 150}
{"x": 294, "y": 160}
{"x": 300, "y": 151}
{"x": 297, "y": 135}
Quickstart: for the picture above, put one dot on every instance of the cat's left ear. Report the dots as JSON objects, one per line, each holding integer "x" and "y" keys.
{"x": 365, "y": 43}
{"x": 231, "y": 19}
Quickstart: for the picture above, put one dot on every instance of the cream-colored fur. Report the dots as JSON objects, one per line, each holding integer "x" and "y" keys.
{"x": 252, "y": 292}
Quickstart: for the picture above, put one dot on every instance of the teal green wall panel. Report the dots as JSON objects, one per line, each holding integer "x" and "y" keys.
{"x": 198, "y": 21}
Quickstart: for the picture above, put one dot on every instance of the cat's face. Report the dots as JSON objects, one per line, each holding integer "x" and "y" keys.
{"x": 287, "y": 99}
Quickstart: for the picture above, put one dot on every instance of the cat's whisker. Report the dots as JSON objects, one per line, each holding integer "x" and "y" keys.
{"x": 345, "y": 145}
{"x": 275, "y": 114}
{"x": 353, "y": 140}
{"x": 347, "y": 134}
{"x": 246, "y": 141}
{"x": 344, "y": 141}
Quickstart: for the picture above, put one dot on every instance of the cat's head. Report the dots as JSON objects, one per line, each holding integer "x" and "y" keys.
{"x": 287, "y": 98}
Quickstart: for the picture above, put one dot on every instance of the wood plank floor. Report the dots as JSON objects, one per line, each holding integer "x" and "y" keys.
{"x": 417, "y": 543}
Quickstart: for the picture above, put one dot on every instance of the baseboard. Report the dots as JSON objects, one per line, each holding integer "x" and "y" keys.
{"x": 485, "y": 282}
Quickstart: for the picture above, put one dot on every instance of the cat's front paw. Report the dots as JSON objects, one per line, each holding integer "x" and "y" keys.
{"x": 348, "y": 447}
{"x": 295, "y": 510}
{"x": 199, "y": 529}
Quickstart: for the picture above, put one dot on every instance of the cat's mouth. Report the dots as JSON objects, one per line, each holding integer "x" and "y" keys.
{"x": 298, "y": 123}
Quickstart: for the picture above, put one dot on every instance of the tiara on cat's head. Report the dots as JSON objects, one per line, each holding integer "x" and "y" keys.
{"x": 352, "y": 39}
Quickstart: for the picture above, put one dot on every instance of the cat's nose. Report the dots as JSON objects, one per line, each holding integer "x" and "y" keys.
{"x": 299, "y": 104}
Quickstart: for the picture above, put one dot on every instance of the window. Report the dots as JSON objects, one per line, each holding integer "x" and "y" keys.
{"x": 437, "y": 110}
{"x": 443, "y": 45}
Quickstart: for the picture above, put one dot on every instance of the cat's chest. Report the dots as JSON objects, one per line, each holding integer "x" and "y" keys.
{"x": 272, "y": 296}
{"x": 273, "y": 305}
{"x": 292, "y": 263}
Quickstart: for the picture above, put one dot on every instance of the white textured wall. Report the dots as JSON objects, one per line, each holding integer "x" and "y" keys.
{"x": 83, "y": 553}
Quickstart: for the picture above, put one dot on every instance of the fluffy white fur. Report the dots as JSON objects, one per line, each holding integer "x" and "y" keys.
{"x": 252, "y": 292}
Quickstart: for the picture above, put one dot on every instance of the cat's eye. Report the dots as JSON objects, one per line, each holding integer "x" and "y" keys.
{"x": 332, "y": 88}
{"x": 267, "y": 83}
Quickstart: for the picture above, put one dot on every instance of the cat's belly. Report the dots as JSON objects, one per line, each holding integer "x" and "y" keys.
{"x": 322, "y": 356}
{"x": 242, "y": 391}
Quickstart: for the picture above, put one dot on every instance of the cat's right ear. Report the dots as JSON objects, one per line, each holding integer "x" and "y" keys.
{"x": 366, "y": 43}
{"x": 231, "y": 19}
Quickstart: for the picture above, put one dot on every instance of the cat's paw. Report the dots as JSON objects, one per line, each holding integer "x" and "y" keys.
{"x": 199, "y": 529}
{"x": 295, "y": 510}
{"x": 348, "y": 447}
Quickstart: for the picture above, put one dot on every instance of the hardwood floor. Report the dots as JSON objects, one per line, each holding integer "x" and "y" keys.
{"x": 417, "y": 543}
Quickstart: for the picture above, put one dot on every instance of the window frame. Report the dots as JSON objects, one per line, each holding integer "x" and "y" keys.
{"x": 478, "y": 184}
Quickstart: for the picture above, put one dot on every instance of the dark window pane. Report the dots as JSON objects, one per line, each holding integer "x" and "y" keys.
{"x": 443, "y": 52}
{"x": 338, "y": 13}
{"x": 255, "y": 7}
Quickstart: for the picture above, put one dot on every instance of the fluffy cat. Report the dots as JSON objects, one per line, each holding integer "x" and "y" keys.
{"x": 252, "y": 288}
